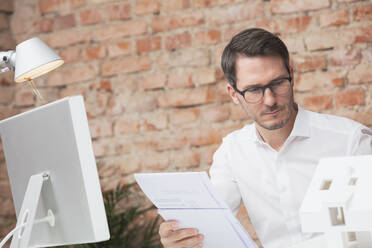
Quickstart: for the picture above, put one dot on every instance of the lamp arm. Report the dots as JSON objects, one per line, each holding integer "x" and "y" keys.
{"x": 7, "y": 61}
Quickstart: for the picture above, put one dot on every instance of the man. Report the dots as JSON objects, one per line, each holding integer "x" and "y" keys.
{"x": 269, "y": 164}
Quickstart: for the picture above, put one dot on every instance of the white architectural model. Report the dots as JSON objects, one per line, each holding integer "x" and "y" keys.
{"x": 338, "y": 203}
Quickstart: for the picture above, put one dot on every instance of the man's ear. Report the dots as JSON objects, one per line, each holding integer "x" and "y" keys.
{"x": 232, "y": 93}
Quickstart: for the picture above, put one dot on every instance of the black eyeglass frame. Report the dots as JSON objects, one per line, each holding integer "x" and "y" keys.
{"x": 263, "y": 88}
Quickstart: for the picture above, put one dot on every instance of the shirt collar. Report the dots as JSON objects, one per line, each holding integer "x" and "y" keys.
{"x": 301, "y": 127}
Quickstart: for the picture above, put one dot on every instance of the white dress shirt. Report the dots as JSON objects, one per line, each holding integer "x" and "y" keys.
{"x": 273, "y": 184}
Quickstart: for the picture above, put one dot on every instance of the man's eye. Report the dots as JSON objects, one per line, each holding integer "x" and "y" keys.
{"x": 253, "y": 90}
{"x": 277, "y": 83}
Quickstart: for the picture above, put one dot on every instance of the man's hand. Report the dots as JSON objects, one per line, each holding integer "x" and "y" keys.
{"x": 182, "y": 238}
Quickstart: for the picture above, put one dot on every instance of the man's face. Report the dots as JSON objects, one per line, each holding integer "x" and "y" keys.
{"x": 273, "y": 111}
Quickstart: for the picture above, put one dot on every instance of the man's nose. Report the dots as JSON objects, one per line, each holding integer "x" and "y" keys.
{"x": 268, "y": 97}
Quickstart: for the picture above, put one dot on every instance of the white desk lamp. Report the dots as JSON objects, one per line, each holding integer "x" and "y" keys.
{"x": 31, "y": 59}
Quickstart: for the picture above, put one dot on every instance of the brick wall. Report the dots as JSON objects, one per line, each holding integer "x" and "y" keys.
{"x": 150, "y": 72}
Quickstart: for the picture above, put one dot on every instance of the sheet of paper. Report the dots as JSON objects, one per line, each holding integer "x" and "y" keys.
{"x": 179, "y": 190}
{"x": 190, "y": 199}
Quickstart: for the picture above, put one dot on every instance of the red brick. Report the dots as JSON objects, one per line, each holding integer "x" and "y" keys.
{"x": 174, "y": 5}
{"x": 334, "y": 18}
{"x": 96, "y": 102}
{"x": 5, "y": 112}
{"x": 94, "y": 52}
{"x": 186, "y": 159}
{"x": 186, "y": 97}
{"x": 71, "y": 90}
{"x": 127, "y": 126}
{"x": 241, "y": 12}
{"x": 148, "y": 103}
{"x": 288, "y": 25}
{"x": 124, "y": 29}
{"x": 294, "y": 44}
{"x": 154, "y": 81}
{"x": 209, "y": 152}
{"x": 208, "y": 37}
{"x": 7, "y": 208}
{"x": 295, "y": 25}
{"x": 147, "y": 7}
{"x": 363, "y": 34}
{"x": 221, "y": 93}
{"x": 350, "y": 98}
{"x": 4, "y": 23}
{"x": 129, "y": 165}
{"x": 6, "y": 5}
{"x": 312, "y": 81}
{"x": 68, "y": 37}
{"x": 110, "y": 147}
{"x": 203, "y": 137}
{"x": 367, "y": 55}
{"x": 289, "y": 6}
{"x": 309, "y": 62}
{"x": 100, "y": 128}
{"x": 72, "y": 75}
{"x": 6, "y": 41}
{"x": 24, "y": 97}
{"x": 216, "y": 114}
{"x": 178, "y": 41}
{"x": 91, "y": 16}
{"x": 204, "y": 3}
{"x": 5, "y": 191}
{"x": 205, "y": 76}
{"x": 344, "y": 57}
{"x": 123, "y": 146}
{"x": 43, "y": 25}
{"x": 317, "y": 103}
{"x": 361, "y": 74}
{"x": 156, "y": 121}
{"x": 104, "y": 85}
{"x": 156, "y": 161}
{"x": 148, "y": 44}
{"x": 2, "y": 155}
{"x": 119, "y": 48}
{"x": 362, "y": 13}
{"x": 179, "y": 79}
{"x": 170, "y": 141}
{"x": 184, "y": 116}
{"x": 6, "y": 95}
{"x": 229, "y": 32}
{"x": 63, "y": 22}
{"x": 184, "y": 58}
{"x": 125, "y": 65}
{"x": 166, "y": 23}
{"x": 271, "y": 25}
{"x": 118, "y": 12}
{"x": 336, "y": 38}
{"x": 362, "y": 116}
{"x": 47, "y": 6}
{"x": 238, "y": 113}
{"x": 115, "y": 106}
{"x": 70, "y": 54}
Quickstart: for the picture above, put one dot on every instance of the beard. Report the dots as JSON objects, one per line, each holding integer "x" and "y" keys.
{"x": 288, "y": 108}
{"x": 279, "y": 124}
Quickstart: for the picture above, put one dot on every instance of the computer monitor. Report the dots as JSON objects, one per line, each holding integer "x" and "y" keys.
{"x": 48, "y": 152}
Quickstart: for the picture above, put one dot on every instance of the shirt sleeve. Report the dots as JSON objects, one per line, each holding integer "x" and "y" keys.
{"x": 361, "y": 143}
{"x": 223, "y": 180}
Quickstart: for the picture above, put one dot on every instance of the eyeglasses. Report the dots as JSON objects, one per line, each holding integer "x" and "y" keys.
{"x": 255, "y": 94}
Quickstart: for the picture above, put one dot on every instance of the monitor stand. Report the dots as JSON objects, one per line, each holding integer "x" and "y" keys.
{"x": 26, "y": 217}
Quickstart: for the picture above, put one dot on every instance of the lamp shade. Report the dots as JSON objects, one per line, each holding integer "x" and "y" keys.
{"x": 33, "y": 59}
